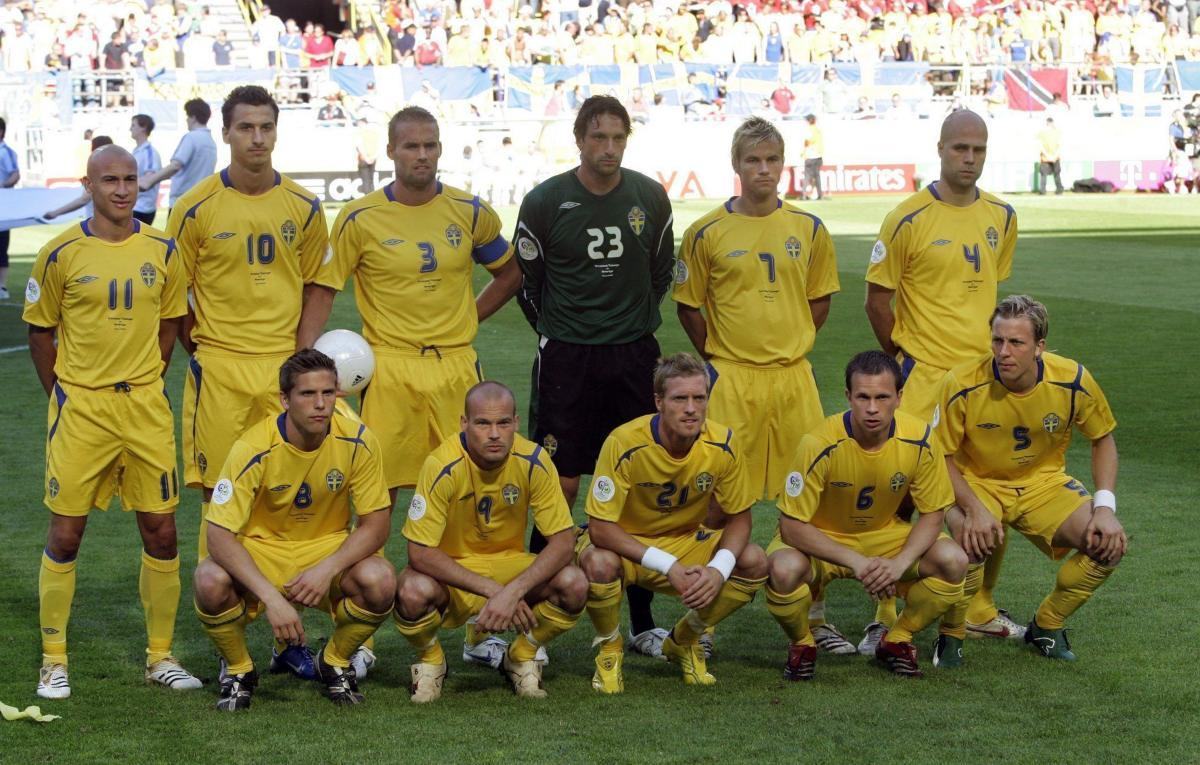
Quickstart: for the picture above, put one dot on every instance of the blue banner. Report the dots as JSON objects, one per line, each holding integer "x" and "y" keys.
{"x": 1189, "y": 75}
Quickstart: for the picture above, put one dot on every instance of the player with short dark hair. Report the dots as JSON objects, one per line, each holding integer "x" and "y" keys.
{"x": 140, "y": 128}
{"x": 111, "y": 291}
{"x": 838, "y": 519}
{"x": 466, "y": 547}
{"x": 1006, "y": 423}
{"x": 279, "y": 534}
{"x": 654, "y": 483}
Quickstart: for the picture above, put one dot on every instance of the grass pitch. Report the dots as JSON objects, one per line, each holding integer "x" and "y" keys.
{"x": 1119, "y": 275}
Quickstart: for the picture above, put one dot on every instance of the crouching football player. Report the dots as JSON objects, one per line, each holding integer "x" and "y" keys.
{"x": 466, "y": 547}
{"x": 653, "y": 483}
{"x": 278, "y": 534}
{"x": 838, "y": 519}
{"x": 1006, "y": 422}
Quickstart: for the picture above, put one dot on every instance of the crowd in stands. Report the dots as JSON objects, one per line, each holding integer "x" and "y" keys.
{"x": 123, "y": 34}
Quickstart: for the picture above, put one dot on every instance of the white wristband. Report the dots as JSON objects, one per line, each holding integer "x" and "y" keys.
{"x": 724, "y": 562}
{"x": 1105, "y": 498}
{"x": 658, "y": 560}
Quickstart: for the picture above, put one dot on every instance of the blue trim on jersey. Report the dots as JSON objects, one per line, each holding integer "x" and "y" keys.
{"x": 1075, "y": 386}
{"x": 724, "y": 446}
{"x": 60, "y": 396}
{"x": 933, "y": 190}
{"x": 354, "y": 215}
{"x": 906, "y": 368}
{"x": 356, "y": 440}
{"x": 533, "y": 460}
{"x": 314, "y": 205}
{"x": 198, "y": 376}
{"x": 490, "y": 252}
{"x": 87, "y": 231}
{"x": 476, "y": 206}
{"x": 963, "y": 393}
{"x": 629, "y": 453}
{"x": 654, "y": 430}
{"x": 53, "y": 257}
{"x": 137, "y": 225}
{"x": 921, "y": 444}
{"x": 191, "y": 213}
{"x": 908, "y": 219}
{"x": 445, "y": 471}
{"x": 1009, "y": 212}
{"x": 817, "y": 222}
{"x": 281, "y": 423}
{"x": 387, "y": 192}
{"x": 170, "y": 243}
{"x": 824, "y": 453}
{"x": 253, "y": 461}
{"x": 700, "y": 231}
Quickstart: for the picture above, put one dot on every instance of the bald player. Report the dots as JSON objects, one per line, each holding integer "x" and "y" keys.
{"x": 110, "y": 290}
{"x": 931, "y": 286}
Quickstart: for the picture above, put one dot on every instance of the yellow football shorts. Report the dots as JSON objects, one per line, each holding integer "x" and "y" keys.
{"x": 922, "y": 386}
{"x": 281, "y": 561}
{"x": 224, "y": 394}
{"x": 696, "y": 548}
{"x": 111, "y": 441}
{"x": 886, "y": 542}
{"x": 502, "y": 567}
{"x": 413, "y": 404}
{"x": 1036, "y": 510}
{"x": 770, "y": 410}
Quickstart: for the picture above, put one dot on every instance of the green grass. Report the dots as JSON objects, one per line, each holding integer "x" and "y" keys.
{"x": 1119, "y": 275}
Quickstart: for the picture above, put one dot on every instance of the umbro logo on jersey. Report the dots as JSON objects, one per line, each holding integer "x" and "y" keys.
{"x": 840, "y": 484}
{"x": 281, "y": 487}
{"x": 737, "y": 253}
{"x": 392, "y": 242}
{"x": 568, "y": 205}
{"x": 223, "y": 235}
{"x": 987, "y": 425}
{"x": 86, "y": 279}
{"x": 940, "y": 243}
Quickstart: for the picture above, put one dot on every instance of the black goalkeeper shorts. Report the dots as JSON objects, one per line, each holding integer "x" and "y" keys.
{"x": 580, "y": 393}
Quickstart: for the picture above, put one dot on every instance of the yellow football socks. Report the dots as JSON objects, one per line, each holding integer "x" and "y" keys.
{"x": 1078, "y": 577}
{"x": 552, "y": 621}
{"x": 983, "y": 606}
{"x": 790, "y": 609}
{"x": 227, "y": 631}
{"x": 353, "y": 625}
{"x": 927, "y": 599}
{"x": 422, "y": 635}
{"x": 735, "y": 593}
{"x": 158, "y": 586}
{"x": 885, "y": 612}
{"x": 56, "y": 590}
{"x": 604, "y": 608}
{"x": 954, "y": 621}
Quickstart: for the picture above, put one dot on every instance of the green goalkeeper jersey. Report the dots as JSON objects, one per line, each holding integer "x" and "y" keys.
{"x": 595, "y": 267}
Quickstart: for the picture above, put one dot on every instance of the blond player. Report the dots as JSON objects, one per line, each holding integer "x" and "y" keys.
{"x": 939, "y": 257}
{"x": 111, "y": 291}
{"x": 1005, "y": 427}
{"x": 466, "y": 547}
{"x": 653, "y": 485}
{"x": 279, "y": 534}
{"x": 838, "y": 519}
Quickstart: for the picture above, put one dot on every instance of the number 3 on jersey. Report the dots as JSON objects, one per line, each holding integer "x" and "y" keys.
{"x": 598, "y": 237}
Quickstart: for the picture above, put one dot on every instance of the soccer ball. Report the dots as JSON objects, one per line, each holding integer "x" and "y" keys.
{"x": 353, "y": 356}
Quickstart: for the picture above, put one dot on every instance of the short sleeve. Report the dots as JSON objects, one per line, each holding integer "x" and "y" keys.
{"x": 610, "y": 484}
{"x": 949, "y": 416}
{"x": 368, "y": 489}
{"x": 930, "y": 487}
{"x": 342, "y": 254}
{"x": 430, "y": 505}
{"x": 733, "y": 490}
{"x": 233, "y": 496}
{"x": 889, "y": 254}
{"x": 822, "y": 266}
{"x": 185, "y": 150}
{"x": 44, "y": 290}
{"x": 805, "y": 483}
{"x": 186, "y": 245}
{"x": 691, "y": 270}
{"x": 488, "y": 247}
{"x": 174, "y": 295}
{"x": 314, "y": 245}
{"x": 1004, "y": 258}
{"x": 546, "y": 501}
{"x": 1093, "y": 415}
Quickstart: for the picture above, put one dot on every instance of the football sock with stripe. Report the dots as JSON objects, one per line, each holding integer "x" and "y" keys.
{"x": 983, "y": 606}
{"x": 56, "y": 590}
{"x": 735, "y": 593}
{"x": 552, "y": 621}
{"x": 790, "y": 609}
{"x": 353, "y": 625}
{"x": 227, "y": 631}
{"x": 422, "y": 635}
{"x": 1078, "y": 577}
{"x": 158, "y": 586}
{"x": 927, "y": 599}
{"x": 954, "y": 621}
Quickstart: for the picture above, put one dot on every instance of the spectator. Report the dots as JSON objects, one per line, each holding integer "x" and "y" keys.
{"x": 291, "y": 45}
{"x": 773, "y": 50}
{"x": 367, "y": 138}
{"x": 268, "y": 31}
{"x": 195, "y": 157}
{"x": 346, "y": 51}
{"x": 556, "y": 104}
{"x": 222, "y": 50}
{"x": 10, "y": 175}
{"x": 428, "y": 51}
{"x": 318, "y": 48}
{"x": 331, "y": 112}
{"x": 639, "y": 112}
{"x": 696, "y": 102}
{"x": 814, "y": 150}
{"x": 1050, "y": 156}
{"x": 1106, "y": 105}
{"x": 833, "y": 93}
{"x": 403, "y": 43}
{"x": 898, "y": 109}
{"x": 782, "y": 99}
{"x": 864, "y": 110}
{"x": 148, "y": 163}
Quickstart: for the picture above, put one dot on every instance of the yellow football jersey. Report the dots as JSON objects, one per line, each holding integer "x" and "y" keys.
{"x": 754, "y": 277}
{"x": 994, "y": 433}
{"x": 248, "y": 259}
{"x": 464, "y": 510}
{"x": 412, "y": 265}
{"x": 945, "y": 263}
{"x": 638, "y": 485}
{"x": 272, "y": 490}
{"x": 106, "y": 299}
{"x": 839, "y": 487}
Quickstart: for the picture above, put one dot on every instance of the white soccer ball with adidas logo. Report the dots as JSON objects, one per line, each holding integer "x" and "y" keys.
{"x": 353, "y": 356}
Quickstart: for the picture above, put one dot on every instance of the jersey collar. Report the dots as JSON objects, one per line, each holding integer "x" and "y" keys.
{"x": 229, "y": 183}
{"x": 391, "y": 196}
{"x": 137, "y": 227}
{"x": 850, "y": 430}
{"x": 729, "y": 204}
{"x": 933, "y": 190}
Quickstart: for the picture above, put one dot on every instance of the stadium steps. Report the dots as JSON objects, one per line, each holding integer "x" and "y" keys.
{"x": 229, "y": 16}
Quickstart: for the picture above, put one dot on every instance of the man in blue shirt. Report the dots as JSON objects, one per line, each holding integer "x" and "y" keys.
{"x": 10, "y": 173}
{"x": 194, "y": 159}
{"x": 148, "y": 161}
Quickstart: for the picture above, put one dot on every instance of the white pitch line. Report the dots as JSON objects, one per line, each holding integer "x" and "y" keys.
{"x": 14, "y": 349}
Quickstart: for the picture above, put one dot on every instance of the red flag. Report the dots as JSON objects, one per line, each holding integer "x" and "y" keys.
{"x": 1031, "y": 90}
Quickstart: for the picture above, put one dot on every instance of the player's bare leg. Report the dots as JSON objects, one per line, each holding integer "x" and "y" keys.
{"x": 221, "y": 607}
{"x": 159, "y": 588}
{"x": 603, "y": 570}
{"x": 369, "y": 588}
{"x": 557, "y": 606}
{"x": 788, "y": 599}
{"x": 420, "y": 603}
{"x": 56, "y": 591}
